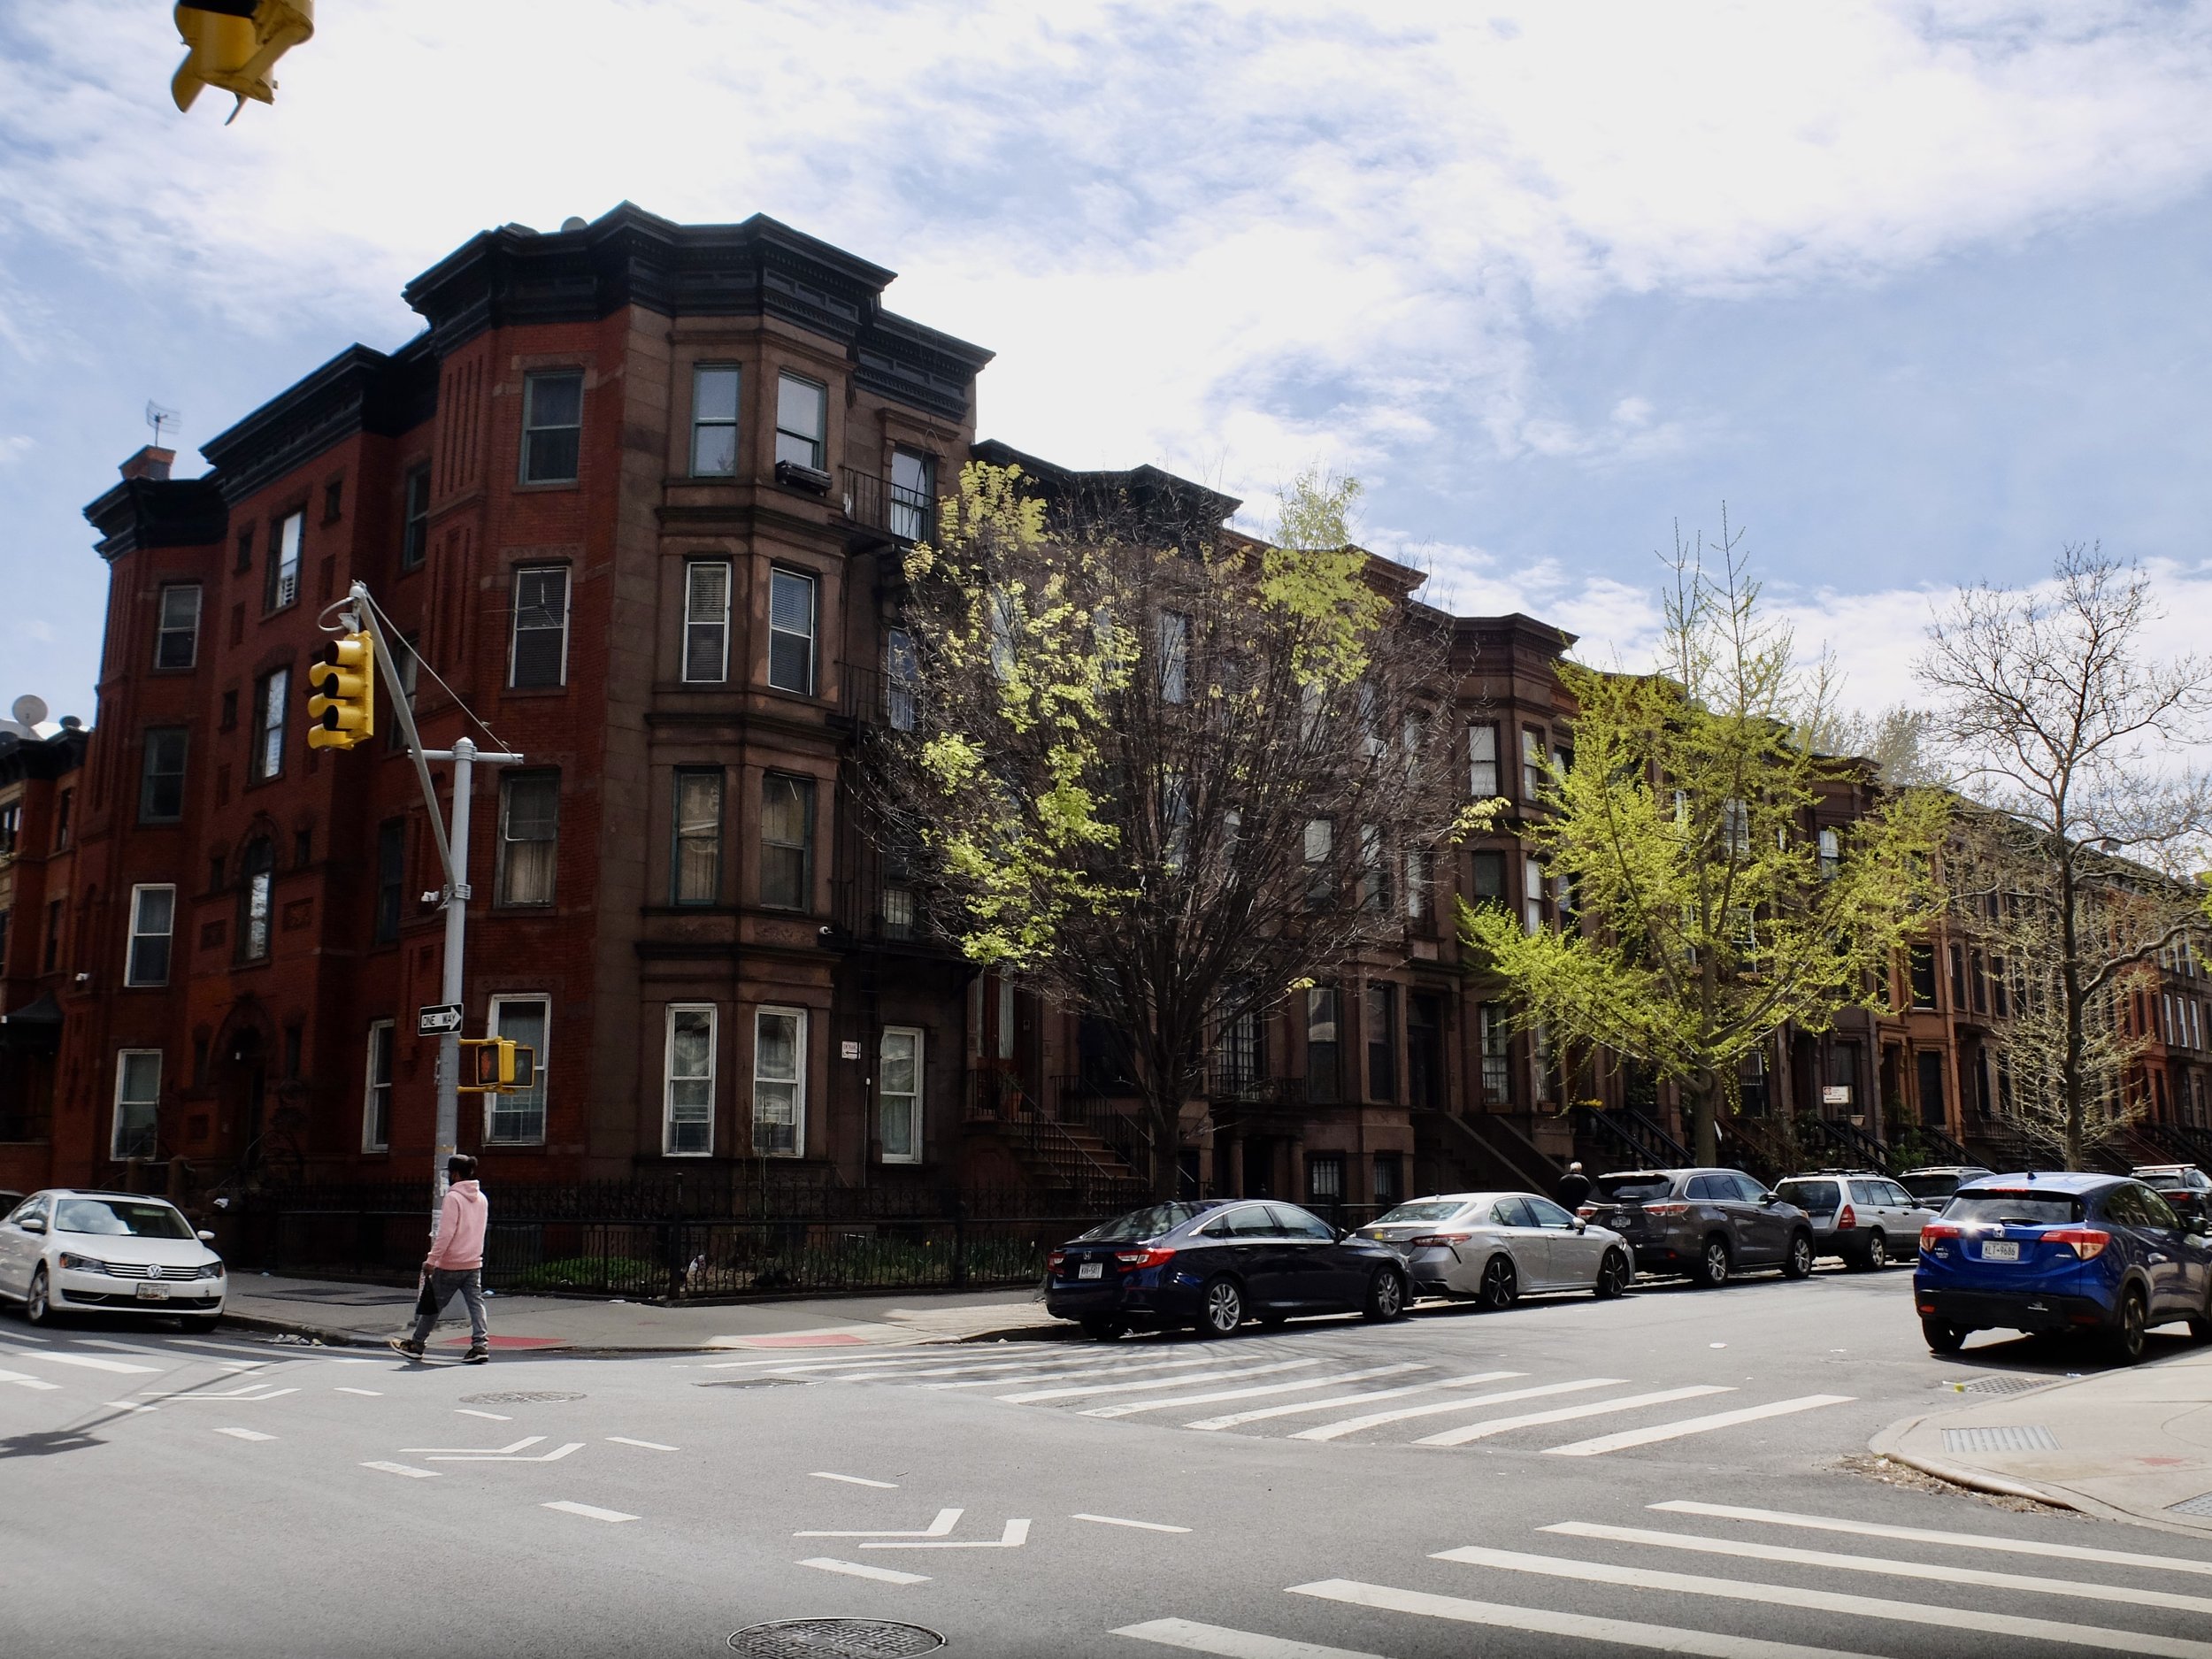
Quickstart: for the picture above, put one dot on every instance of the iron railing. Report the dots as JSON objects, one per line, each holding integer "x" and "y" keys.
{"x": 909, "y": 515}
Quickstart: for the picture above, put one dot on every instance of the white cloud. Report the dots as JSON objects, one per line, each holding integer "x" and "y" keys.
{"x": 15, "y": 447}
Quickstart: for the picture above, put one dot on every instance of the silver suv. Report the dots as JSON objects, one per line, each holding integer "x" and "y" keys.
{"x": 1861, "y": 1216}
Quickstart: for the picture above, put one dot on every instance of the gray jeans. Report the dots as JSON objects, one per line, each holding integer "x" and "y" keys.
{"x": 443, "y": 1282}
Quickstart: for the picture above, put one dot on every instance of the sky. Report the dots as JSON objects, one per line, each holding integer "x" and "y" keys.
{"x": 1917, "y": 291}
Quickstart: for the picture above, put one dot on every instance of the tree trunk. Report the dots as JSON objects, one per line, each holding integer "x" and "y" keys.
{"x": 2070, "y": 979}
{"x": 1697, "y": 1101}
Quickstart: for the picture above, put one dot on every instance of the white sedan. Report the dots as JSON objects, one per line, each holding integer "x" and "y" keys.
{"x": 63, "y": 1251}
{"x": 1491, "y": 1247}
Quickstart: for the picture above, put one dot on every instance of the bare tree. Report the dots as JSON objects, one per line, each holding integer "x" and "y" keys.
{"x": 2055, "y": 717}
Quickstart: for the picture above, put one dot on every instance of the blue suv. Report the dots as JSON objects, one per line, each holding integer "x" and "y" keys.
{"x": 2074, "y": 1252}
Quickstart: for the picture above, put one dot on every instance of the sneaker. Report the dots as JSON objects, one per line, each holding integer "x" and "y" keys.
{"x": 403, "y": 1345}
{"x": 476, "y": 1356}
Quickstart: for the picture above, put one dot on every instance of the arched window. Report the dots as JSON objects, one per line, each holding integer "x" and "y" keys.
{"x": 257, "y": 879}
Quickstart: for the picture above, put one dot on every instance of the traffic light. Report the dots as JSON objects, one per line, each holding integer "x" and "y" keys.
{"x": 496, "y": 1065}
{"x": 343, "y": 706}
{"x": 234, "y": 43}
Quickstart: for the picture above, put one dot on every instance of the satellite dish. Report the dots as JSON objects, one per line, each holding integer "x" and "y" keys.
{"x": 29, "y": 709}
{"x": 572, "y": 222}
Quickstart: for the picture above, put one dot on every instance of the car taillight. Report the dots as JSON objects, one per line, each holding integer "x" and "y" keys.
{"x": 1441, "y": 1238}
{"x": 2087, "y": 1242}
{"x": 1847, "y": 1218}
{"x": 1666, "y": 1209}
{"x": 1937, "y": 1230}
{"x": 1057, "y": 1260}
{"x": 1152, "y": 1257}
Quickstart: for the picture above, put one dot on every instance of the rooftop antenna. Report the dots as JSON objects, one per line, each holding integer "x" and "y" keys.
{"x": 156, "y": 416}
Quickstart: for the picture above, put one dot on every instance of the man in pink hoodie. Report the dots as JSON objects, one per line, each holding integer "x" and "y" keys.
{"x": 456, "y": 1262}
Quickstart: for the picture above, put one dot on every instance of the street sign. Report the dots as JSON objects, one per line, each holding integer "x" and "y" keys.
{"x": 436, "y": 1019}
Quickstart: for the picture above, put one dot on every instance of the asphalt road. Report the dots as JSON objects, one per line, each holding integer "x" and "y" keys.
{"x": 1456, "y": 1483}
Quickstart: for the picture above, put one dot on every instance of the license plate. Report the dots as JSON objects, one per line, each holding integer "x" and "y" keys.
{"x": 2000, "y": 1251}
{"x": 1091, "y": 1270}
{"x": 153, "y": 1293}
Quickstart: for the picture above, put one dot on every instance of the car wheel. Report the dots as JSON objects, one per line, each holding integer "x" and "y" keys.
{"x": 1943, "y": 1338}
{"x": 1103, "y": 1330}
{"x": 1385, "y": 1295}
{"x": 1613, "y": 1276}
{"x": 1713, "y": 1266}
{"x": 1500, "y": 1284}
{"x": 1877, "y": 1253}
{"x": 1799, "y": 1262}
{"x": 2126, "y": 1338}
{"x": 37, "y": 1307}
{"x": 1221, "y": 1308}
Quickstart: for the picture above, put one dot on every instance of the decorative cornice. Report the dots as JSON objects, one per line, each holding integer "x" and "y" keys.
{"x": 147, "y": 513}
{"x": 358, "y": 390}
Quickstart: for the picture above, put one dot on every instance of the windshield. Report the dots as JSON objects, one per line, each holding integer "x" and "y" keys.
{"x": 121, "y": 1216}
{"x": 1633, "y": 1189}
{"x": 2027, "y": 1210}
{"x": 1809, "y": 1195}
{"x": 1929, "y": 1186}
{"x": 1422, "y": 1210}
{"x": 1139, "y": 1224}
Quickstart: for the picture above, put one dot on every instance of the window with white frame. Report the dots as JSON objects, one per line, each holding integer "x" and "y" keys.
{"x": 283, "y": 584}
{"x": 177, "y": 641}
{"x": 519, "y": 1119}
{"x": 687, "y": 1085}
{"x": 1532, "y": 895}
{"x": 780, "y": 1082}
{"x": 1830, "y": 852}
{"x": 802, "y": 421}
{"x": 899, "y": 1091}
{"x": 376, "y": 1089}
{"x": 714, "y": 420}
{"x": 1482, "y": 762}
{"x": 153, "y": 921}
{"x": 137, "y": 1104}
{"x": 538, "y": 652}
{"x": 791, "y": 613}
{"x": 272, "y": 700}
{"x": 706, "y": 621}
{"x": 414, "y": 536}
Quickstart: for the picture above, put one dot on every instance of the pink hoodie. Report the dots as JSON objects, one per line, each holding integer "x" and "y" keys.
{"x": 458, "y": 1243}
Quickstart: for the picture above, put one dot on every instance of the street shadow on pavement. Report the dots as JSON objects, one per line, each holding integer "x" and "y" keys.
{"x": 47, "y": 1443}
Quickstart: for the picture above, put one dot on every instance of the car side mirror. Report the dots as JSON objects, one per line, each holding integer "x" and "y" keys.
{"x": 205, "y": 1236}
{"x": 1581, "y": 1226}
{"x": 1770, "y": 1198}
{"x": 33, "y": 1226}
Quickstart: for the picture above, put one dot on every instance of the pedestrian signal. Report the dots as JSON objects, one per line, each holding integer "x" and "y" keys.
{"x": 233, "y": 44}
{"x": 496, "y": 1065}
{"x": 342, "y": 708}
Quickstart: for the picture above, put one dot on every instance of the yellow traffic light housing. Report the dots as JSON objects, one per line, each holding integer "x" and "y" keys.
{"x": 343, "y": 708}
{"x": 496, "y": 1065}
{"x": 233, "y": 44}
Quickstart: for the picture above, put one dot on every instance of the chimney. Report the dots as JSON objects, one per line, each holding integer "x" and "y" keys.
{"x": 148, "y": 463}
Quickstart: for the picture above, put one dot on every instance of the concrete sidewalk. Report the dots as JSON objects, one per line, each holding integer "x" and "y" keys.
{"x": 358, "y": 1314}
{"x": 2126, "y": 1444}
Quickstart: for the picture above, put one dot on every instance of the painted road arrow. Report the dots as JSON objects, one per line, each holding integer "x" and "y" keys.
{"x": 1016, "y": 1535}
{"x": 947, "y": 1519}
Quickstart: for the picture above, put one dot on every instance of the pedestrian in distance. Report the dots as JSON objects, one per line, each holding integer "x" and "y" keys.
{"x": 456, "y": 1263}
{"x": 1574, "y": 1187}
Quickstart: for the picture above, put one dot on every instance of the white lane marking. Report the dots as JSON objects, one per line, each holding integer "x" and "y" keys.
{"x": 1934, "y": 1535}
{"x": 1937, "y": 1571}
{"x": 252, "y": 1393}
{"x": 1231, "y": 1644}
{"x": 1298, "y": 1407}
{"x": 861, "y": 1569}
{"x": 402, "y": 1469}
{"x": 947, "y": 1519}
{"x": 1337, "y": 1430}
{"x": 1613, "y": 1632}
{"x": 1014, "y": 1536}
{"x": 589, "y": 1511}
{"x": 122, "y": 1405}
{"x": 25, "y": 1336}
{"x": 1092, "y": 1370}
{"x": 1605, "y": 1443}
{"x": 651, "y": 1446}
{"x": 489, "y": 1416}
{"x": 524, "y": 1444}
{"x": 23, "y": 1380}
{"x": 1130, "y": 1408}
{"x": 374, "y": 1394}
{"x": 120, "y": 1348}
{"x": 92, "y": 1362}
{"x": 2126, "y": 1641}
{"x": 942, "y": 1368}
{"x": 856, "y": 1481}
{"x": 1080, "y": 1389}
{"x": 553, "y": 1456}
{"x": 219, "y": 1348}
{"x": 941, "y": 1357}
{"x": 1567, "y": 1414}
{"x": 1142, "y": 1526}
{"x": 245, "y": 1434}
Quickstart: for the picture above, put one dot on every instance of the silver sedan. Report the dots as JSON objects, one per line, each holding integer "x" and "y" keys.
{"x": 1491, "y": 1247}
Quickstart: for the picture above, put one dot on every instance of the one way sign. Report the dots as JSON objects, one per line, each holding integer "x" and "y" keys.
{"x": 437, "y": 1018}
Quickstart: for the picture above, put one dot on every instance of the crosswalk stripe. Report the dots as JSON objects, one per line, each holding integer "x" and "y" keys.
{"x": 1374, "y": 1419}
{"x": 2127, "y": 1641}
{"x": 1940, "y": 1572}
{"x": 1695, "y": 1425}
{"x": 1261, "y": 1413}
{"x": 1094, "y": 1370}
{"x": 246, "y": 1434}
{"x": 1130, "y": 1408}
{"x": 1613, "y": 1632}
{"x": 1488, "y": 1426}
{"x": 942, "y": 1368}
{"x": 25, "y": 1379}
{"x": 1934, "y": 1535}
{"x": 589, "y": 1511}
{"x": 1233, "y": 1644}
{"x": 93, "y": 1362}
{"x": 1083, "y": 1389}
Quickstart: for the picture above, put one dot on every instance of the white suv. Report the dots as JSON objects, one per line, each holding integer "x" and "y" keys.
{"x": 64, "y": 1251}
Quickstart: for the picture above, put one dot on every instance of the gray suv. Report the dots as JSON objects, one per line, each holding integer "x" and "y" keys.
{"x": 1707, "y": 1224}
{"x": 1860, "y": 1216}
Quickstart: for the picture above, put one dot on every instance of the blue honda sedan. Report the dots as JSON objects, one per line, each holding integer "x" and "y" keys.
{"x": 2075, "y": 1252}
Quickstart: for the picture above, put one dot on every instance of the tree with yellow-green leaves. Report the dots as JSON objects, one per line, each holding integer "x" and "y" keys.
{"x": 1704, "y": 917}
{"x": 1162, "y": 772}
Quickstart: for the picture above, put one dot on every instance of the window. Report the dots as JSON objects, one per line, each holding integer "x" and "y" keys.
{"x": 802, "y": 422}
{"x": 391, "y": 875}
{"x": 714, "y": 420}
{"x": 899, "y": 1093}
{"x": 282, "y": 586}
{"x": 1532, "y": 772}
{"x": 334, "y": 500}
{"x": 1374, "y": 872}
{"x": 244, "y": 563}
{"x": 177, "y": 639}
{"x": 1494, "y": 1032}
{"x": 11, "y": 827}
{"x": 1958, "y": 978}
{"x": 62, "y": 802}
{"x": 1921, "y": 972}
{"x": 780, "y": 1082}
{"x": 1487, "y": 882}
{"x": 1482, "y": 762}
{"x": 1325, "y": 1178}
{"x": 1419, "y": 874}
{"x": 1830, "y": 853}
{"x": 696, "y": 870}
{"x": 539, "y": 654}
{"x": 414, "y": 517}
{"x": 153, "y": 919}
{"x": 519, "y": 1119}
{"x": 1389, "y": 1183}
{"x": 1382, "y": 1041}
{"x": 256, "y": 876}
{"x": 687, "y": 1111}
{"x": 137, "y": 1104}
{"x": 1321, "y": 1042}
{"x": 1320, "y": 857}
{"x": 161, "y": 777}
{"x": 376, "y": 1089}
{"x": 787, "y": 843}
{"x": 706, "y": 622}
{"x": 1735, "y": 828}
{"x": 791, "y": 632}
{"x": 1532, "y": 895}
{"x": 1174, "y": 656}
{"x": 552, "y": 425}
{"x": 902, "y": 680}
{"x": 529, "y": 824}
{"x": 913, "y": 494}
{"x": 272, "y": 696}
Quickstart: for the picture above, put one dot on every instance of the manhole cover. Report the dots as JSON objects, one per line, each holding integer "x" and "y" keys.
{"x": 835, "y": 1639}
{"x": 754, "y": 1382}
{"x": 516, "y": 1399}
{"x": 1997, "y": 1384}
{"x": 2020, "y": 1438}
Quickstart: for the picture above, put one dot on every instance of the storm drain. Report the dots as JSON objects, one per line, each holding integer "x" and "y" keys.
{"x": 516, "y": 1399}
{"x": 2007, "y": 1440}
{"x": 1995, "y": 1385}
{"x": 2194, "y": 1506}
{"x": 834, "y": 1639}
